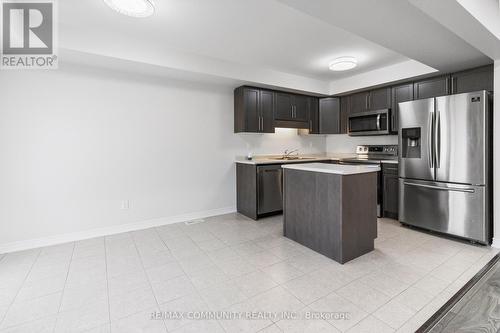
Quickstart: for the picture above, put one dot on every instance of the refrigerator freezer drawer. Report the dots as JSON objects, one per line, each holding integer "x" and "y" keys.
{"x": 455, "y": 209}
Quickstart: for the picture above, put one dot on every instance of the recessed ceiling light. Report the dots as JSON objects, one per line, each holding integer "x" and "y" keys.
{"x": 135, "y": 8}
{"x": 343, "y": 64}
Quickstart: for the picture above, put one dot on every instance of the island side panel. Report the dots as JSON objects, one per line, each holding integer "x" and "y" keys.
{"x": 359, "y": 214}
{"x": 246, "y": 190}
{"x": 312, "y": 211}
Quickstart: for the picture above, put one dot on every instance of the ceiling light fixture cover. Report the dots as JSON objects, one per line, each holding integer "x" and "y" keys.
{"x": 343, "y": 64}
{"x": 135, "y": 8}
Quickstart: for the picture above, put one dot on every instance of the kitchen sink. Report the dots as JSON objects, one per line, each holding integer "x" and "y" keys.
{"x": 292, "y": 158}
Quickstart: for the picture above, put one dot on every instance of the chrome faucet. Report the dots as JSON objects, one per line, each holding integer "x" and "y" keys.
{"x": 287, "y": 153}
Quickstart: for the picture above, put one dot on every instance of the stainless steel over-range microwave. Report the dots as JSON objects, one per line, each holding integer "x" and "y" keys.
{"x": 370, "y": 123}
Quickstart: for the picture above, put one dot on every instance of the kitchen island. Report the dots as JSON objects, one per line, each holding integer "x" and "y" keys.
{"x": 331, "y": 208}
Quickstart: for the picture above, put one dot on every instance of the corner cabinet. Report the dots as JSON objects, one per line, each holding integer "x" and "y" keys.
{"x": 329, "y": 115}
{"x": 253, "y": 110}
{"x": 390, "y": 190}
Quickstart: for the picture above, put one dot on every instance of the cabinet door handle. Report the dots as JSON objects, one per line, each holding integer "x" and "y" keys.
{"x": 393, "y": 118}
{"x": 261, "y": 123}
{"x": 453, "y": 85}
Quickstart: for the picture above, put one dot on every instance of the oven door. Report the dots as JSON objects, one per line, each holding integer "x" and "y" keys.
{"x": 369, "y": 123}
{"x": 379, "y": 181}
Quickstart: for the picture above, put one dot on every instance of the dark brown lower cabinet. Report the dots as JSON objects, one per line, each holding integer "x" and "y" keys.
{"x": 390, "y": 200}
{"x": 259, "y": 189}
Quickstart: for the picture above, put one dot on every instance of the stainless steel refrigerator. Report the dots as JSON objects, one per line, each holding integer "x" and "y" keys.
{"x": 445, "y": 164}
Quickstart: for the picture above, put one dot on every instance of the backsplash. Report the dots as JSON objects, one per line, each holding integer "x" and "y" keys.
{"x": 343, "y": 143}
{"x": 284, "y": 138}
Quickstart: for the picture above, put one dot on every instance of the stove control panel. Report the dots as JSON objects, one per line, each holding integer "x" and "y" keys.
{"x": 377, "y": 150}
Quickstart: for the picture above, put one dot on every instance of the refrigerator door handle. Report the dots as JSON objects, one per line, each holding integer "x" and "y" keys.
{"x": 430, "y": 140}
{"x": 455, "y": 189}
{"x": 437, "y": 140}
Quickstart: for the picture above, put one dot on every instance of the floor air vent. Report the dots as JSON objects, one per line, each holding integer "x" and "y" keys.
{"x": 194, "y": 221}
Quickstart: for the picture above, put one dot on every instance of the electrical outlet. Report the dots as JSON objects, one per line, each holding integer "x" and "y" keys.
{"x": 125, "y": 204}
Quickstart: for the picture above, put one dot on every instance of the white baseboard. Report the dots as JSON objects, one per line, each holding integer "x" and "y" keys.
{"x": 495, "y": 243}
{"x": 99, "y": 232}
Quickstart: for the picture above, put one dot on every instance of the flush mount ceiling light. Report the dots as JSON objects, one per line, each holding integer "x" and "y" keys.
{"x": 343, "y": 64}
{"x": 135, "y": 8}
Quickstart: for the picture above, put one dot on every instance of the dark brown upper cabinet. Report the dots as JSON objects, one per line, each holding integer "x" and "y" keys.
{"x": 433, "y": 87}
{"x": 376, "y": 99}
{"x": 359, "y": 102}
{"x": 290, "y": 107}
{"x": 329, "y": 115}
{"x": 301, "y": 105}
{"x": 401, "y": 93}
{"x": 253, "y": 110}
{"x": 379, "y": 99}
{"x": 284, "y": 106}
{"x": 472, "y": 80}
{"x": 314, "y": 115}
{"x": 260, "y": 111}
{"x": 345, "y": 108}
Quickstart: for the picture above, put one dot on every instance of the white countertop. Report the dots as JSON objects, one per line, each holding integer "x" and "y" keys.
{"x": 339, "y": 169}
{"x": 275, "y": 159}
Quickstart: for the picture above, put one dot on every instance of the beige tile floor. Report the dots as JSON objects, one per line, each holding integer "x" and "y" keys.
{"x": 232, "y": 264}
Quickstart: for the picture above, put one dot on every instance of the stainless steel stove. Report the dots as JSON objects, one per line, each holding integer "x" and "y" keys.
{"x": 374, "y": 154}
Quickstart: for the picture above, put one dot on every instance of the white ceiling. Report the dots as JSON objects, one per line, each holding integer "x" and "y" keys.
{"x": 264, "y": 41}
{"x": 401, "y": 26}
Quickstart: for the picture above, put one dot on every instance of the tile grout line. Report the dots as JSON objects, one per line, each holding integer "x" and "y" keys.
{"x": 187, "y": 275}
{"x": 147, "y": 277}
{"x": 107, "y": 281}
{"x": 24, "y": 281}
{"x": 64, "y": 288}
{"x": 197, "y": 292}
{"x": 66, "y": 279}
{"x": 413, "y": 285}
{"x": 435, "y": 297}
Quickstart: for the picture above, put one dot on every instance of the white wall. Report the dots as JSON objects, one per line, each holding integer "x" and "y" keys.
{"x": 77, "y": 141}
{"x": 343, "y": 143}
